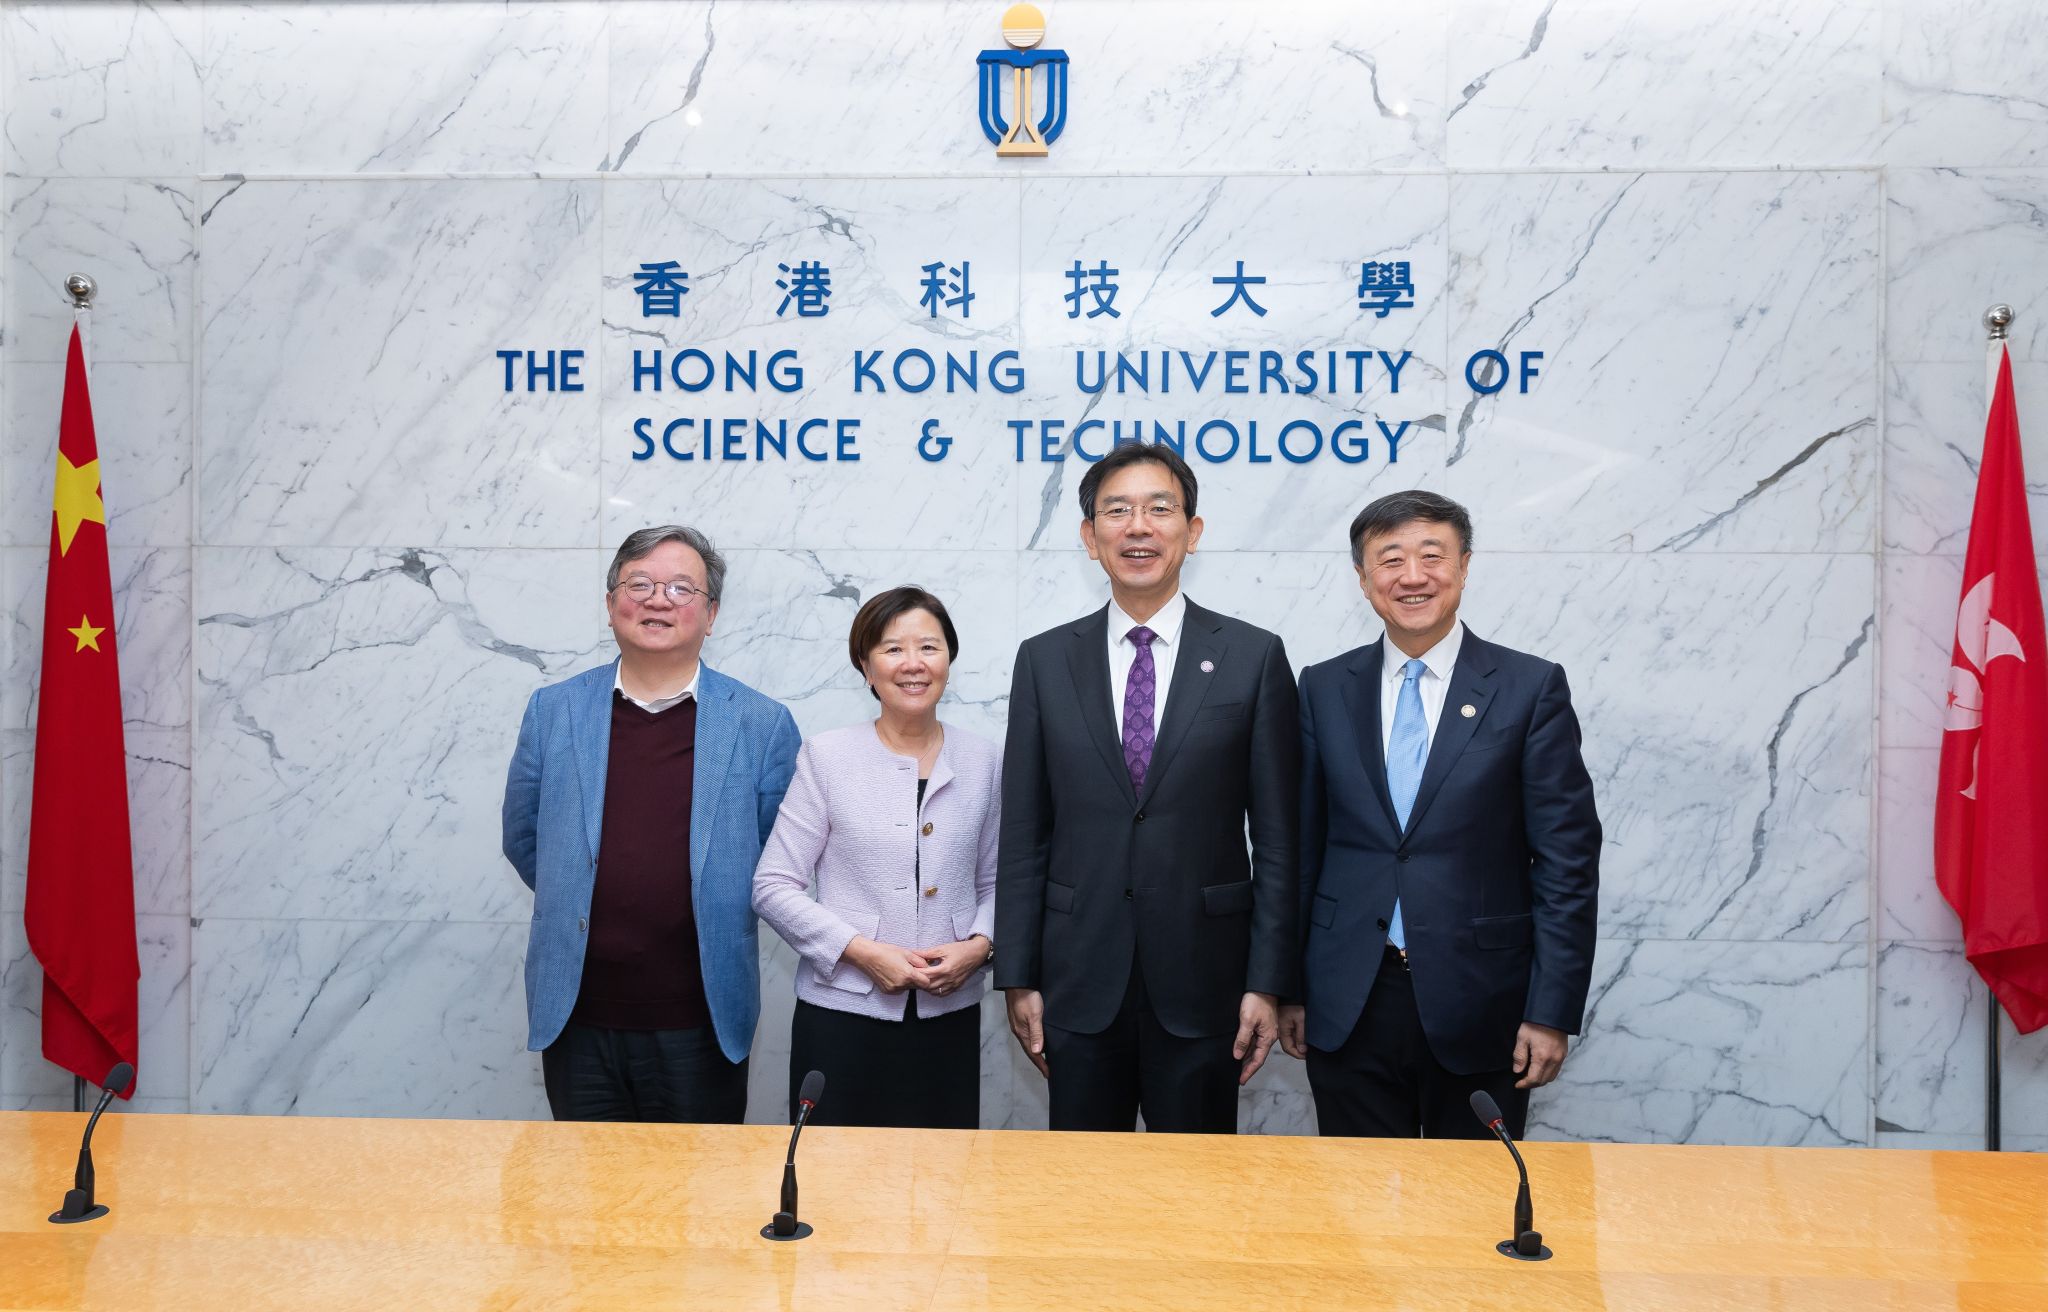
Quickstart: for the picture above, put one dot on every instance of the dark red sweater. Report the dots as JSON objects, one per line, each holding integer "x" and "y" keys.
{"x": 641, "y": 969}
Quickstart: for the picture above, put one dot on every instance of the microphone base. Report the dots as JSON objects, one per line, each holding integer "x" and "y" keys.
{"x": 803, "y": 1231}
{"x": 1506, "y": 1248}
{"x": 92, "y": 1213}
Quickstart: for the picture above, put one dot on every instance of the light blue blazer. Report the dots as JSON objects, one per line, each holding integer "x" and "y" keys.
{"x": 554, "y": 812}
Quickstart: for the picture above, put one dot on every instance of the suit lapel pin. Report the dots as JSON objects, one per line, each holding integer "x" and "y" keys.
{"x": 1208, "y": 667}
{"x": 1467, "y": 710}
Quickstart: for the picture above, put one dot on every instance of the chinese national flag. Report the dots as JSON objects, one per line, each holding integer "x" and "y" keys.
{"x": 1991, "y": 813}
{"x": 81, "y": 881}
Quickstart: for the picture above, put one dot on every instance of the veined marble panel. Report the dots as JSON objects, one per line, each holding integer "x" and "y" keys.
{"x": 101, "y": 89}
{"x": 1909, "y": 906}
{"x": 1710, "y": 378}
{"x": 1754, "y": 1043}
{"x": 1725, "y": 703}
{"x": 874, "y": 237}
{"x": 349, "y": 389}
{"x": 1962, "y": 83}
{"x": 361, "y": 1018}
{"x": 142, "y": 422}
{"x": 1930, "y": 1053}
{"x": 133, "y": 236}
{"x": 1614, "y": 85}
{"x": 1208, "y": 86}
{"x": 783, "y": 625}
{"x": 393, "y": 87}
{"x": 162, "y": 996}
{"x": 159, "y": 817}
{"x": 1934, "y": 443}
{"x": 1956, "y": 242}
{"x": 1169, "y": 241}
{"x": 152, "y": 622}
{"x": 1930, "y": 1040}
{"x": 357, "y": 710}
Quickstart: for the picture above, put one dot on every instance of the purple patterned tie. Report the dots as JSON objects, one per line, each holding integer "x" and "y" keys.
{"x": 1138, "y": 694}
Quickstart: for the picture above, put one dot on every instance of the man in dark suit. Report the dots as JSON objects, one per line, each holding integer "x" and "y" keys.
{"x": 1450, "y": 852}
{"x": 1142, "y": 949}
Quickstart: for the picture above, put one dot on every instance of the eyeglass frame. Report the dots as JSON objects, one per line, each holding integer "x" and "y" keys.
{"x": 680, "y": 592}
{"x": 1123, "y": 513}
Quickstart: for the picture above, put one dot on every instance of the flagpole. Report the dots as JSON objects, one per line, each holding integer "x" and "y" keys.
{"x": 1997, "y": 320}
{"x": 81, "y": 288}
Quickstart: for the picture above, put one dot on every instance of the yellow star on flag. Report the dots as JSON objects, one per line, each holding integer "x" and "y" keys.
{"x": 78, "y": 500}
{"x": 87, "y": 635}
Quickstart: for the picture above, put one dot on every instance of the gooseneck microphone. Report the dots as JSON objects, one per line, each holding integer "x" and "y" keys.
{"x": 785, "y": 1227}
{"x": 78, "y": 1200}
{"x": 1527, "y": 1245}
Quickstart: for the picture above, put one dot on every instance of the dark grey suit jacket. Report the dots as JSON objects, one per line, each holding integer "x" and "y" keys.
{"x": 1498, "y": 870}
{"x": 1091, "y": 872}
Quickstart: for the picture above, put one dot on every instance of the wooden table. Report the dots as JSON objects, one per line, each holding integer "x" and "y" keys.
{"x": 247, "y": 1212}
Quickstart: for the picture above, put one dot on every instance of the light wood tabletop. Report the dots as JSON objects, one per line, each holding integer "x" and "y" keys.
{"x": 250, "y": 1212}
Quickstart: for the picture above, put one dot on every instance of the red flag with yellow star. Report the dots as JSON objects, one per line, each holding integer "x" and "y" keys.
{"x": 81, "y": 879}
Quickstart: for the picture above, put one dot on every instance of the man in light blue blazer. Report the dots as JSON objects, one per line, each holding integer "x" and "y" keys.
{"x": 638, "y": 800}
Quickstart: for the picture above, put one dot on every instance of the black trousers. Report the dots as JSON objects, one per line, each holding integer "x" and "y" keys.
{"x": 920, "y": 1072}
{"x": 1384, "y": 1082}
{"x": 1102, "y": 1081}
{"x": 595, "y": 1074}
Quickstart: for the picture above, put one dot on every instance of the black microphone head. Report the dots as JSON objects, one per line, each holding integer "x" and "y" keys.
{"x": 1484, "y": 1107}
{"x": 813, "y": 1089}
{"x": 119, "y": 1078}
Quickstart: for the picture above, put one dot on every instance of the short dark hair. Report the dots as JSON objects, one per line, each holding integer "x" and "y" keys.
{"x": 882, "y": 610}
{"x": 1125, "y": 454}
{"x": 642, "y": 542}
{"x": 1398, "y": 508}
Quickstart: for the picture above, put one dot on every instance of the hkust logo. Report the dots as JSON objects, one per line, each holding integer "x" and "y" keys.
{"x": 1032, "y": 130}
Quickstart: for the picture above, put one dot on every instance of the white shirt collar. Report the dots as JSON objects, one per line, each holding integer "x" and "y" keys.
{"x": 659, "y": 704}
{"x": 1165, "y": 625}
{"x": 1439, "y": 659}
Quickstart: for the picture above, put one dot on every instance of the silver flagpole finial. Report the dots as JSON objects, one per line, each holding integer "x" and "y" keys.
{"x": 1996, "y": 320}
{"x": 80, "y": 288}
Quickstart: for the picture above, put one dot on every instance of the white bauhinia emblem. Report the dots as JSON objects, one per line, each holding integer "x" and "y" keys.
{"x": 1982, "y": 640}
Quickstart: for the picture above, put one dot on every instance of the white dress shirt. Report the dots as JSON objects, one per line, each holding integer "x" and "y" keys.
{"x": 1123, "y": 654}
{"x": 1434, "y": 685}
{"x": 659, "y": 704}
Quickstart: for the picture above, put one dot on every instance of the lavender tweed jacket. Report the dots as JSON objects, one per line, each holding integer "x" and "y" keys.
{"x": 852, "y": 854}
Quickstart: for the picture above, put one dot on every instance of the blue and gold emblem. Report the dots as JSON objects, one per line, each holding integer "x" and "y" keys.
{"x": 1031, "y": 133}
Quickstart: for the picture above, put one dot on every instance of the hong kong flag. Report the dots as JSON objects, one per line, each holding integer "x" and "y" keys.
{"x": 81, "y": 881}
{"x": 1991, "y": 814}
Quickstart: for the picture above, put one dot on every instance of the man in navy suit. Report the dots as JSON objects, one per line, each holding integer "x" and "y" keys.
{"x": 635, "y": 809}
{"x": 1450, "y": 853}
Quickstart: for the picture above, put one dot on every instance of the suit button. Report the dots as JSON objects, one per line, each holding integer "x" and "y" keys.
{"x": 1141, "y": 817}
{"x": 1127, "y": 896}
{"x": 1381, "y": 923}
{"x": 582, "y": 924}
{"x": 927, "y": 830}
{"x": 1400, "y": 856}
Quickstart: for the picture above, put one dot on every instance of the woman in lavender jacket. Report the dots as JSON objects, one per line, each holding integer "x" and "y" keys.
{"x": 881, "y": 873}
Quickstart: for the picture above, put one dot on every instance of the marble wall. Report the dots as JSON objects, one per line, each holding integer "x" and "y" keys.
{"x": 1752, "y": 240}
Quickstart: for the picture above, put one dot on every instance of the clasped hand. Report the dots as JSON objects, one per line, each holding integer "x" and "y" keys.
{"x": 936, "y": 970}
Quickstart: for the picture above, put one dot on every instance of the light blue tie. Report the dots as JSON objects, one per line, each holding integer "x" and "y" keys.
{"x": 1407, "y": 751}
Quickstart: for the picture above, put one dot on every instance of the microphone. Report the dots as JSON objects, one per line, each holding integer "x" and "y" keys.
{"x": 785, "y": 1227}
{"x": 78, "y": 1200}
{"x": 1527, "y": 1245}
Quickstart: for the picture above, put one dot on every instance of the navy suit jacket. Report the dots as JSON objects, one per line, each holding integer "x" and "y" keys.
{"x": 1498, "y": 870}
{"x": 554, "y": 811}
